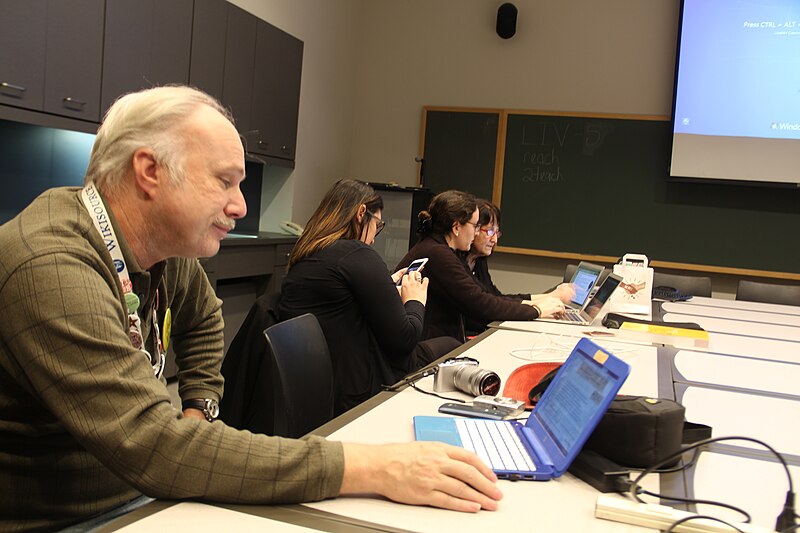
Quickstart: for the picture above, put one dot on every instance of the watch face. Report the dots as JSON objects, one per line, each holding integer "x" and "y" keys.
{"x": 213, "y": 409}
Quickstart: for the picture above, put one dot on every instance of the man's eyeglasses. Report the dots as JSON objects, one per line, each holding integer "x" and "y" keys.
{"x": 491, "y": 232}
{"x": 379, "y": 224}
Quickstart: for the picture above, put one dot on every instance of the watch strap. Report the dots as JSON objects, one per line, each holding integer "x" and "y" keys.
{"x": 208, "y": 406}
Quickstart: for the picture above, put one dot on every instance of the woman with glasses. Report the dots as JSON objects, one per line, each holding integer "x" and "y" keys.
{"x": 477, "y": 262}
{"x": 447, "y": 229}
{"x": 372, "y": 326}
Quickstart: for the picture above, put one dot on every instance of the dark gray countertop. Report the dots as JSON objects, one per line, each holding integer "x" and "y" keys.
{"x": 260, "y": 238}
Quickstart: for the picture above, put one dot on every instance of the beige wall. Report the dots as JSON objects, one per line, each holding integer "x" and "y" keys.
{"x": 371, "y": 65}
{"x": 614, "y": 56}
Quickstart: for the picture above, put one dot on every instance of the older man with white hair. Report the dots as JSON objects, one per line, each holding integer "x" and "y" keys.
{"x": 95, "y": 283}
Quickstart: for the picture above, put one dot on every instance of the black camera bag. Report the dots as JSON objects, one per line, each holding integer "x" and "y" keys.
{"x": 637, "y": 431}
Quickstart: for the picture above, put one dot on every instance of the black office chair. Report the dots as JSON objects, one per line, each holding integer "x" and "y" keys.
{"x": 248, "y": 402}
{"x": 693, "y": 285}
{"x": 571, "y": 268}
{"x": 771, "y": 293}
{"x": 303, "y": 377}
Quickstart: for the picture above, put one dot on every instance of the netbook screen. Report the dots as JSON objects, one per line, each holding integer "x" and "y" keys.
{"x": 573, "y": 400}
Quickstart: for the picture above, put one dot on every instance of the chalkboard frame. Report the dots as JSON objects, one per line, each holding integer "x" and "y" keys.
{"x": 497, "y": 192}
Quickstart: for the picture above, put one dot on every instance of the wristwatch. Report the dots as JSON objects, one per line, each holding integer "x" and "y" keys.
{"x": 209, "y": 407}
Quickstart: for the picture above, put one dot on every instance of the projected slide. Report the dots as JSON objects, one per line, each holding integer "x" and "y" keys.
{"x": 739, "y": 69}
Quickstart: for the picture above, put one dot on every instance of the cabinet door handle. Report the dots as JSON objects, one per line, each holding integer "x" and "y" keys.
{"x": 263, "y": 143}
{"x": 4, "y": 85}
{"x": 285, "y": 149}
{"x": 72, "y": 101}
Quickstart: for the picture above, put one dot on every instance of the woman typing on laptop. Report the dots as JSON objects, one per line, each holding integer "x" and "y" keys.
{"x": 448, "y": 227}
{"x": 477, "y": 260}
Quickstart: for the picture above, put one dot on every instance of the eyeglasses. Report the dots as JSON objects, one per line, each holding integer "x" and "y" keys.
{"x": 379, "y": 224}
{"x": 491, "y": 232}
{"x": 476, "y": 225}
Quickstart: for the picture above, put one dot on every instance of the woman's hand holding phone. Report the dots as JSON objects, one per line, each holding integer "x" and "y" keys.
{"x": 398, "y": 276}
{"x": 414, "y": 287}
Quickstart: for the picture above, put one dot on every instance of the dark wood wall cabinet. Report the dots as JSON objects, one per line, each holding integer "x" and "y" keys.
{"x": 62, "y": 64}
{"x": 57, "y": 41}
{"x": 147, "y": 43}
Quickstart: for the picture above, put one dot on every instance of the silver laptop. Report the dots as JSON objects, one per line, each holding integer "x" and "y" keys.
{"x": 591, "y": 312}
{"x": 584, "y": 280}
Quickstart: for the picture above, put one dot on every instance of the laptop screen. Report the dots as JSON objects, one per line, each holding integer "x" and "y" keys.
{"x": 583, "y": 281}
{"x": 573, "y": 400}
{"x": 603, "y": 294}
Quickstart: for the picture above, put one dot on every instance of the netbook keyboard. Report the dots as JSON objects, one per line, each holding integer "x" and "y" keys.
{"x": 496, "y": 443}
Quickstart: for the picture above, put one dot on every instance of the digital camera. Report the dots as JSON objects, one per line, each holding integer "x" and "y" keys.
{"x": 465, "y": 375}
{"x": 501, "y": 404}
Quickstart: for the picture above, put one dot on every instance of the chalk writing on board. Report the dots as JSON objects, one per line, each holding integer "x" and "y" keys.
{"x": 594, "y": 134}
{"x": 541, "y": 166}
{"x": 544, "y": 133}
{"x": 550, "y": 133}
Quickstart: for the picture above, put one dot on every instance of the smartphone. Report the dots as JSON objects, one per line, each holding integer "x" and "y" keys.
{"x": 415, "y": 265}
{"x": 473, "y": 411}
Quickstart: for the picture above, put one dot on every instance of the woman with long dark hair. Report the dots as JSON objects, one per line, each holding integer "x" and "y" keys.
{"x": 373, "y": 328}
{"x": 447, "y": 229}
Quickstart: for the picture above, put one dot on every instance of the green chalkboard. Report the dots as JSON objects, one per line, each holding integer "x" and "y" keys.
{"x": 600, "y": 186}
{"x": 459, "y": 151}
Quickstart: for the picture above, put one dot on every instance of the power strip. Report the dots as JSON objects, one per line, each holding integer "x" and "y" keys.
{"x": 619, "y": 509}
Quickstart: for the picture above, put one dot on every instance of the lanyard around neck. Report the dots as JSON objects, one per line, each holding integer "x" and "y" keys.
{"x": 102, "y": 223}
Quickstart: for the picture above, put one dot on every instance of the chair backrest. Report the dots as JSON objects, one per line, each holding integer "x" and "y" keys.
{"x": 694, "y": 285}
{"x": 303, "y": 375}
{"x": 756, "y": 291}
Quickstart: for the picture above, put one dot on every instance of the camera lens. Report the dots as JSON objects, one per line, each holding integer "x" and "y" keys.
{"x": 476, "y": 381}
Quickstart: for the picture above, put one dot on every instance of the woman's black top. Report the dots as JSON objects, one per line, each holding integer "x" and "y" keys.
{"x": 370, "y": 333}
{"x": 454, "y": 294}
{"x": 480, "y": 272}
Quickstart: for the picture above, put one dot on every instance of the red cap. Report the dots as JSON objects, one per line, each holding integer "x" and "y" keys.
{"x": 524, "y": 378}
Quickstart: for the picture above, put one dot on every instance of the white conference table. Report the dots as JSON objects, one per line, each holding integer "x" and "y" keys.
{"x": 739, "y": 305}
{"x": 563, "y": 504}
{"x": 725, "y": 390}
{"x": 747, "y": 382}
{"x": 740, "y": 318}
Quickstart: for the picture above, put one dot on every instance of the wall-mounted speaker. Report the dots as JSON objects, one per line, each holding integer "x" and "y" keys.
{"x": 506, "y": 20}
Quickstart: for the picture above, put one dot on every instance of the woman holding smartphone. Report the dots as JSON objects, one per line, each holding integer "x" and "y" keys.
{"x": 373, "y": 327}
{"x": 447, "y": 229}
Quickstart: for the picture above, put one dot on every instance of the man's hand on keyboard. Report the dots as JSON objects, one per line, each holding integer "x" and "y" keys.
{"x": 421, "y": 473}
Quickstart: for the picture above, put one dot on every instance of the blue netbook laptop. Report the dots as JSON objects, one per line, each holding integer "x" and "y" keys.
{"x": 556, "y": 430}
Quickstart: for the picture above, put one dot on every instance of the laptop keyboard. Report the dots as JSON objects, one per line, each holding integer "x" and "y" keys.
{"x": 496, "y": 443}
{"x": 571, "y": 315}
